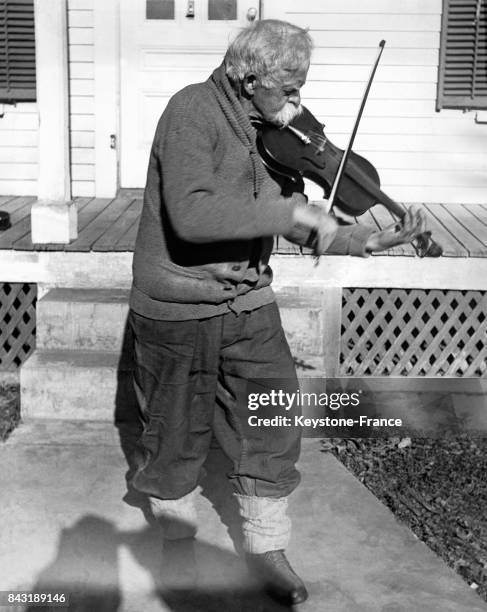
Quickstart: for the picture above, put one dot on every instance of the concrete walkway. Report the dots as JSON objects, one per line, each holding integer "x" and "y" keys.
{"x": 65, "y": 526}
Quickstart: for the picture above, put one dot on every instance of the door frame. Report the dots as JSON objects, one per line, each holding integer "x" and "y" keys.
{"x": 107, "y": 97}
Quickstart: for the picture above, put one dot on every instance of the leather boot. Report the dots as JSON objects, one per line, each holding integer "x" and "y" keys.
{"x": 274, "y": 570}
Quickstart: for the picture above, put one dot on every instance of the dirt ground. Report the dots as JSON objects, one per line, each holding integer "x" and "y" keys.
{"x": 9, "y": 408}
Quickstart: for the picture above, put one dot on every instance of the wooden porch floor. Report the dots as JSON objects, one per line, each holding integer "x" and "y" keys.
{"x": 110, "y": 225}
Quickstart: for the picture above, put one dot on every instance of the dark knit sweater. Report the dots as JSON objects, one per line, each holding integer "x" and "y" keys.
{"x": 210, "y": 211}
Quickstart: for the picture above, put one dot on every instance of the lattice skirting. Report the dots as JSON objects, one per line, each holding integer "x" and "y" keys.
{"x": 413, "y": 332}
{"x": 384, "y": 332}
{"x": 17, "y": 323}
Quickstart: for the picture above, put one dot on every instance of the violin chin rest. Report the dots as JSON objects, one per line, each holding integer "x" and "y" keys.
{"x": 435, "y": 250}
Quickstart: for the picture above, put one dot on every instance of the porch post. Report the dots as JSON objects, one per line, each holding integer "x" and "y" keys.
{"x": 53, "y": 216}
{"x": 332, "y": 318}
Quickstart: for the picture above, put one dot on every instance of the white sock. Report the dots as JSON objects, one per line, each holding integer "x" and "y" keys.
{"x": 266, "y": 525}
{"x": 177, "y": 517}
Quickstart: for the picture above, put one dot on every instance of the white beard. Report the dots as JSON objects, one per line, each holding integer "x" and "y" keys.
{"x": 285, "y": 116}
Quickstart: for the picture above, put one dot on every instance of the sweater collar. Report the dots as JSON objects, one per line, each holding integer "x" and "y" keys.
{"x": 231, "y": 105}
{"x": 238, "y": 119}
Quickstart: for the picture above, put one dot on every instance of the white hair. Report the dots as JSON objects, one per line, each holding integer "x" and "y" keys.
{"x": 266, "y": 49}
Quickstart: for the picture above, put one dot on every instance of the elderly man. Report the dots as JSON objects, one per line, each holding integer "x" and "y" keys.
{"x": 203, "y": 314}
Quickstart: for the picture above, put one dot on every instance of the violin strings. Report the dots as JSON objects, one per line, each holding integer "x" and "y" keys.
{"x": 310, "y": 137}
{"x": 317, "y": 136}
{"x": 316, "y": 139}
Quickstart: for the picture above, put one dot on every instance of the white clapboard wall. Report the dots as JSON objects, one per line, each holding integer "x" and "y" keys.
{"x": 422, "y": 155}
{"x": 82, "y": 95}
{"x": 18, "y": 148}
{"x": 19, "y": 124}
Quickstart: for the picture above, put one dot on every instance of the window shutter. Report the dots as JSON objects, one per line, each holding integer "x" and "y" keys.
{"x": 462, "y": 81}
{"x": 17, "y": 51}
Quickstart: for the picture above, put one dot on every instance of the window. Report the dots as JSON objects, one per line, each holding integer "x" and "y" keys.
{"x": 17, "y": 51}
{"x": 159, "y": 9}
{"x": 217, "y": 10}
{"x": 462, "y": 81}
{"x": 222, "y": 9}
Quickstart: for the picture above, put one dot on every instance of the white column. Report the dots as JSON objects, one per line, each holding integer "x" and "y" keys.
{"x": 107, "y": 79}
{"x": 53, "y": 216}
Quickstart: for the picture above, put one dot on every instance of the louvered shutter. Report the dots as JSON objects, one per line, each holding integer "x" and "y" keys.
{"x": 17, "y": 51}
{"x": 462, "y": 79}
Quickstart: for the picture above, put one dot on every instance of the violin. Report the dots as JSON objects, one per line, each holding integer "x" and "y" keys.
{"x": 301, "y": 150}
{"x": 352, "y": 184}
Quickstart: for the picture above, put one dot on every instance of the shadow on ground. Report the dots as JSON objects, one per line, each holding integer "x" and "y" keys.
{"x": 183, "y": 572}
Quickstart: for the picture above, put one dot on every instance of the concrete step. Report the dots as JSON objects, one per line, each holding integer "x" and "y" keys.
{"x": 95, "y": 319}
{"x": 67, "y": 384}
{"x": 82, "y": 339}
{"x": 75, "y": 384}
{"x": 85, "y": 319}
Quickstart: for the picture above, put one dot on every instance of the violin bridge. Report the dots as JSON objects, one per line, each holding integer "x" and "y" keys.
{"x": 321, "y": 148}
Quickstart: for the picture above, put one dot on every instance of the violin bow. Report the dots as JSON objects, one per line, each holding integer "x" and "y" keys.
{"x": 346, "y": 153}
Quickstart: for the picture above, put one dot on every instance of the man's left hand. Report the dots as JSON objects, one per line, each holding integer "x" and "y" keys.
{"x": 412, "y": 225}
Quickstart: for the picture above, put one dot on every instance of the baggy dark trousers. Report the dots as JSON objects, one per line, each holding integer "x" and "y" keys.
{"x": 191, "y": 379}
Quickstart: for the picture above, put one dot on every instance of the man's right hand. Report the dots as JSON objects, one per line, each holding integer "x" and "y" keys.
{"x": 312, "y": 228}
{"x": 325, "y": 233}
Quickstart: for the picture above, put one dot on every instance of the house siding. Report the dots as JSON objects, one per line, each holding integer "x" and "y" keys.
{"x": 82, "y": 96}
{"x": 19, "y": 151}
{"x": 421, "y": 155}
